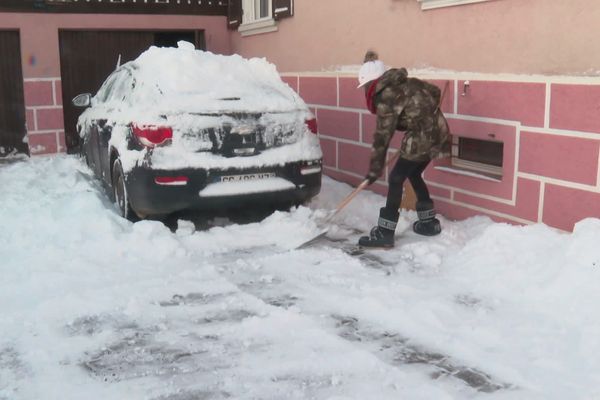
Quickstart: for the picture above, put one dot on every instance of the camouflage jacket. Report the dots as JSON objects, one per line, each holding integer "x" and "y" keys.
{"x": 410, "y": 105}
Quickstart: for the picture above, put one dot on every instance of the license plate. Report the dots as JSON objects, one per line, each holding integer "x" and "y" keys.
{"x": 247, "y": 177}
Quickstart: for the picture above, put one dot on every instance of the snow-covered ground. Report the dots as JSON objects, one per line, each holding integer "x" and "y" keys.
{"x": 94, "y": 307}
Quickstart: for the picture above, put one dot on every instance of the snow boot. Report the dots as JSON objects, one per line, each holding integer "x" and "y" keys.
{"x": 382, "y": 235}
{"x": 427, "y": 224}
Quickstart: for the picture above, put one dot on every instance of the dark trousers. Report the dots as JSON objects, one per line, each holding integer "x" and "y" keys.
{"x": 402, "y": 170}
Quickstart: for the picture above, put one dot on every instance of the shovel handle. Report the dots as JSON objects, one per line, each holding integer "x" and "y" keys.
{"x": 359, "y": 189}
{"x": 351, "y": 196}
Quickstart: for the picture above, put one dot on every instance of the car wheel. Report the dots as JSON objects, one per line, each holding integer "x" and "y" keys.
{"x": 120, "y": 192}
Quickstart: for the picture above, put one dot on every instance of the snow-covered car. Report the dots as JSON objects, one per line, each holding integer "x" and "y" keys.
{"x": 179, "y": 128}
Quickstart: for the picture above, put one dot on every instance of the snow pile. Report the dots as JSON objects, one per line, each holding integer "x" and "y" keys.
{"x": 96, "y": 307}
{"x": 175, "y": 79}
{"x": 192, "y": 91}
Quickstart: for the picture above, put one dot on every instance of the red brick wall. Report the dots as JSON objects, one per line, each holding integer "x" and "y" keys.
{"x": 44, "y": 116}
{"x": 550, "y": 128}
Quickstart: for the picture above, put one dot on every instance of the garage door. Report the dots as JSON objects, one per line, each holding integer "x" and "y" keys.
{"x": 88, "y": 57}
{"x": 12, "y": 108}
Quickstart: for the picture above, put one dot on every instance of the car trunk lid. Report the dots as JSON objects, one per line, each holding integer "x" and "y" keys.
{"x": 236, "y": 133}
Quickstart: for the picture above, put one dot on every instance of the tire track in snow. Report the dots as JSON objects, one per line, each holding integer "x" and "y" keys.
{"x": 397, "y": 350}
{"x": 390, "y": 347}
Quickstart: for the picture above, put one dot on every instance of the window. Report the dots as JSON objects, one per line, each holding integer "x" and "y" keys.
{"x": 116, "y": 88}
{"x": 122, "y": 87}
{"x": 106, "y": 88}
{"x": 261, "y": 9}
{"x": 255, "y": 10}
{"x": 429, "y": 4}
{"x": 256, "y": 17}
{"x": 251, "y": 17}
{"x": 477, "y": 155}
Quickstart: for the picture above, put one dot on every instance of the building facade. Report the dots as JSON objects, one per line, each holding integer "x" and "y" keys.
{"x": 521, "y": 83}
{"x": 55, "y": 49}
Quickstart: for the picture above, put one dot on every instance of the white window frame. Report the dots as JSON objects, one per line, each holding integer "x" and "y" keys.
{"x": 252, "y": 25}
{"x": 431, "y": 4}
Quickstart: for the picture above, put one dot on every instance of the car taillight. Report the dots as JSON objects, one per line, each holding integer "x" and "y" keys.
{"x": 171, "y": 180}
{"x": 312, "y": 125}
{"x": 151, "y": 136}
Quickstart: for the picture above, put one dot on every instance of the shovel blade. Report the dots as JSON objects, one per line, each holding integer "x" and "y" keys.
{"x": 313, "y": 240}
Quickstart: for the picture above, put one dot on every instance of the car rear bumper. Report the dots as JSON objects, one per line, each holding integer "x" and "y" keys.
{"x": 292, "y": 183}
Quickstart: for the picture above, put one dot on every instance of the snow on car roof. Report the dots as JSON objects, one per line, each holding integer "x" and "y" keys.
{"x": 186, "y": 79}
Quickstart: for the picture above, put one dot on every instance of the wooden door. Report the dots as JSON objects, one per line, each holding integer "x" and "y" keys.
{"x": 12, "y": 105}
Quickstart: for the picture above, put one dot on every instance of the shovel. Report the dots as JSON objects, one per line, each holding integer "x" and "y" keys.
{"x": 359, "y": 189}
{"x": 341, "y": 206}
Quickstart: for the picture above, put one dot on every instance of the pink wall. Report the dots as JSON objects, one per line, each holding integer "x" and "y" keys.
{"x": 548, "y": 126}
{"x": 500, "y": 36}
{"x": 39, "y": 33}
{"x": 44, "y": 115}
{"x": 532, "y": 84}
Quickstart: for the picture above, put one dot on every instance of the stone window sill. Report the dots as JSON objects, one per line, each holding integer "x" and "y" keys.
{"x": 430, "y": 4}
{"x": 469, "y": 173}
{"x": 258, "y": 27}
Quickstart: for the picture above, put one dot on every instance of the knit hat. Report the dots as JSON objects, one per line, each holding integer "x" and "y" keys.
{"x": 371, "y": 69}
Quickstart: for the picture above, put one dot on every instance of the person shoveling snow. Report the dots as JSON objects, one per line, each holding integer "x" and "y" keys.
{"x": 410, "y": 105}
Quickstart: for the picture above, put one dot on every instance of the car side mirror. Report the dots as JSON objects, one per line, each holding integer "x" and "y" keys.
{"x": 82, "y": 100}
